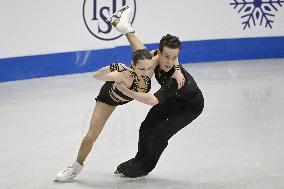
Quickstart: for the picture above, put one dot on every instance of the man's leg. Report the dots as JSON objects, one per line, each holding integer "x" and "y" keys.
{"x": 158, "y": 140}
{"x": 153, "y": 118}
{"x": 152, "y": 142}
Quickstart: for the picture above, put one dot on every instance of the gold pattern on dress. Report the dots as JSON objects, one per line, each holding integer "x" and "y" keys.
{"x": 115, "y": 96}
{"x": 137, "y": 84}
{"x": 144, "y": 85}
{"x": 117, "y": 67}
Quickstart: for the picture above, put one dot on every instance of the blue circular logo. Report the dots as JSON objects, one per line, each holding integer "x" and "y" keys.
{"x": 96, "y": 12}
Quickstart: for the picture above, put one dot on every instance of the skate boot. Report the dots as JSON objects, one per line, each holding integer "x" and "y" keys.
{"x": 122, "y": 24}
{"x": 117, "y": 14}
{"x": 121, "y": 167}
{"x": 69, "y": 173}
{"x": 134, "y": 170}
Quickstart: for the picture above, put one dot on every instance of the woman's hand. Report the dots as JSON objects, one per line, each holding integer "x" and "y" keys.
{"x": 122, "y": 87}
{"x": 125, "y": 77}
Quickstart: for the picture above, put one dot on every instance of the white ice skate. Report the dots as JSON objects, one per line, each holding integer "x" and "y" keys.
{"x": 117, "y": 14}
{"x": 69, "y": 173}
{"x": 122, "y": 23}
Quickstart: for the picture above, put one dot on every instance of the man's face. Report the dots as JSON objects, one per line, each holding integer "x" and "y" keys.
{"x": 167, "y": 58}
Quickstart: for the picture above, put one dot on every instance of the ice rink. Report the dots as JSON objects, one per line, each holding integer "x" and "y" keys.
{"x": 237, "y": 142}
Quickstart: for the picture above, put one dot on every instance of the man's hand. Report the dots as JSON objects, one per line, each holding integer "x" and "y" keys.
{"x": 179, "y": 77}
{"x": 178, "y": 74}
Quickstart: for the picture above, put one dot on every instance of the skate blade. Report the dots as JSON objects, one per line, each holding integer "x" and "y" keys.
{"x": 61, "y": 181}
{"x": 117, "y": 172}
{"x": 116, "y": 13}
{"x": 56, "y": 180}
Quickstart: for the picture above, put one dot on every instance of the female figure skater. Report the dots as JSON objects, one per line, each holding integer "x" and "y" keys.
{"x": 109, "y": 97}
{"x": 172, "y": 110}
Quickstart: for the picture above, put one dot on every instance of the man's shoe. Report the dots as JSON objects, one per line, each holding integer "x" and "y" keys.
{"x": 121, "y": 167}
{"x": 134, "y": 170}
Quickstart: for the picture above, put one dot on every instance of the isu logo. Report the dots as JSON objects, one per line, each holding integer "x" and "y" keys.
{"x": 95, "y": 13}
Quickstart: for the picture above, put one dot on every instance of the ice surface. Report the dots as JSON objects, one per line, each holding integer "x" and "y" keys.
{"x": 237, "y": 142}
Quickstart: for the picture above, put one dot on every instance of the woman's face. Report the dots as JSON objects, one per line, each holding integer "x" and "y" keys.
{"x": 143, "y": 68}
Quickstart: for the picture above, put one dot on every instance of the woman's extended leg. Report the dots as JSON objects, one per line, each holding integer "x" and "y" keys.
{"x": 100, "y": 115}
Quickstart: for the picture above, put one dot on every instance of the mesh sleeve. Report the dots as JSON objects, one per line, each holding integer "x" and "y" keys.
{"x": 167, "y": 90}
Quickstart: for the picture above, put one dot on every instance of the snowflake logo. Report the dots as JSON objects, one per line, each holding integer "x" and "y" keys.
{"x": 257, "y": 11}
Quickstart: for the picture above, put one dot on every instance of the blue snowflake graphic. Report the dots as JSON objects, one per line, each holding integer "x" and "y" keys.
{"x": 257, "y": 11}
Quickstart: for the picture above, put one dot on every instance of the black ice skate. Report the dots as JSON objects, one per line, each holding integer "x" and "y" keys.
{"x": 134, "y": 170}
{"x": 121, "y": 167}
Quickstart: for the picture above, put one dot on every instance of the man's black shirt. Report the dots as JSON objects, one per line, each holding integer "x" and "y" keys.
{"x": 189, "y": 92}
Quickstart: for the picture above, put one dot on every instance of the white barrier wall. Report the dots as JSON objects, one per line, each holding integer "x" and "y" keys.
{"x": 40, "y": 27}
{"x": 198, "y": 20}
{"x": 33, "y": 27}
{"x": 41, "y": 38}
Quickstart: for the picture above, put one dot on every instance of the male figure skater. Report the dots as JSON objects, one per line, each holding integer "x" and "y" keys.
{"x": 173, "y": 107}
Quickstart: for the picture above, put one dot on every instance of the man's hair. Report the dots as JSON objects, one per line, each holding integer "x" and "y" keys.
{"x": 141, "y": 54}
{"x": 169, "y": 41}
